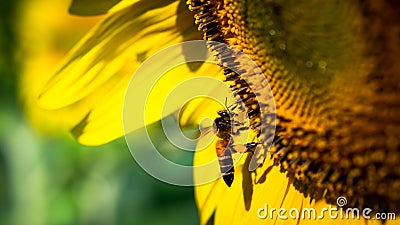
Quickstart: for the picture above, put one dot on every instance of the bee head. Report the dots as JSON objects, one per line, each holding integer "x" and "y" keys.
{"x": 223, "y": 113}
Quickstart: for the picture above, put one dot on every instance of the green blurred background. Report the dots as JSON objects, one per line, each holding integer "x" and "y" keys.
{"x": 51, "y": 179}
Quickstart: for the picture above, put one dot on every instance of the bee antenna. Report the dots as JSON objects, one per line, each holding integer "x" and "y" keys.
{"x": 226, "y": 105}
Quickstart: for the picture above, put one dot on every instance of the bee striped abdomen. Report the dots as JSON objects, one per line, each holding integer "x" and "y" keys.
{"x": 225, "y": 161}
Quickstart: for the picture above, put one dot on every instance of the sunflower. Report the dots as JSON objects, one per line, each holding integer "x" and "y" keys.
{"x": 332, "y": 70}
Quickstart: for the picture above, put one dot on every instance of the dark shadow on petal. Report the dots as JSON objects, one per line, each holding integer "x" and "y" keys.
{"x": 286, "y": 191}
{"x": 247, "y": 183}
{"x": 91, "y": 7}
{"x": 263, "y": 177}
{"x": 78, "y": 129}
{"x": 301, "y": 209}
{"x": 142, "y": 56}
{"x": 211, "y": 219}
{"x": 188, "y": 30}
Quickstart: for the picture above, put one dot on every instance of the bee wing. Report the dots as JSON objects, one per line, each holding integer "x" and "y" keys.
{"x": 205, "y": 131}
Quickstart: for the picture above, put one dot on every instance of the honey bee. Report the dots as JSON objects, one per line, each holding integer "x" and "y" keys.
{"x": 224, "y": 147}
{"x": 223, "y": 129}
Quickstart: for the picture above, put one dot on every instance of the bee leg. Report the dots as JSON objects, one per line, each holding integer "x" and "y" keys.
{"x": 251, "y": 147}
{"x": 239, "y": 130}
{"x": 242, "y": 129}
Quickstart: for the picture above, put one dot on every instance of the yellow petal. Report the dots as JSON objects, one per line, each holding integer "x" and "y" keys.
{"x": 293, "y": 199}
{"x": 116, "y": 47}
{"x": 98, "y": 126}
{"x": 207, "y": 198}
{"x": 197, "y": 110}
{"x": 99, "y": 68}
{"x": 250, "y": 196}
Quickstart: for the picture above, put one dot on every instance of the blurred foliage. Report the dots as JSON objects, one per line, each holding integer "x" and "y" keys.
{"x": 52, "y": 180}
{"x": 7, "y": 45}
